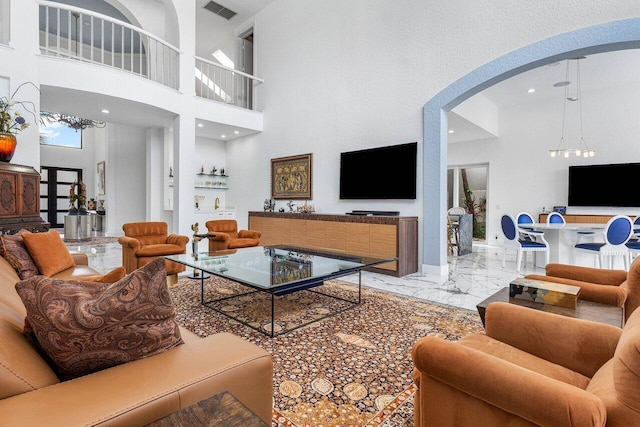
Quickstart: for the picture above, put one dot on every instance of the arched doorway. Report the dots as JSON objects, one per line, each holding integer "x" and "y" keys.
{"x": 616, "y": 35}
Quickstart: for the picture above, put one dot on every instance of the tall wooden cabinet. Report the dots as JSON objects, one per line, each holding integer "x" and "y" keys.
{"x": 383, "y": 236}
{"x": 20, "y": 199}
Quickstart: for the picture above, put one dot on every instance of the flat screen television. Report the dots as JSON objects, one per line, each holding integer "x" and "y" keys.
{"x": 379, "y": 173}
{"x": 604, "y": 185}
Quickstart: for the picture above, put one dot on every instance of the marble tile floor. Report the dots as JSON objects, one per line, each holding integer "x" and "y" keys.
{"x": 472, "y": 277}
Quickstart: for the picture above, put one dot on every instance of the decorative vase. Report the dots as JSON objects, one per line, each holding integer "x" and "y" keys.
{"x": 7, "y": 146}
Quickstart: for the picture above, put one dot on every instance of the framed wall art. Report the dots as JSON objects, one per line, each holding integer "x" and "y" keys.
{"x": 101, "y": 178}
{"x": 291, "y": 177}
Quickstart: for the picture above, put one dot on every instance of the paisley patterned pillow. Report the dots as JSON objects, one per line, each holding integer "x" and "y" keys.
{"x": 86, "y": 327}
{"x": 14, "y": 250}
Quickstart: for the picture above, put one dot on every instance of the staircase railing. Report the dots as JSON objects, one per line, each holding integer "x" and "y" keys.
{"x": 79, "y": 34}
{"x": 222, "y": 84}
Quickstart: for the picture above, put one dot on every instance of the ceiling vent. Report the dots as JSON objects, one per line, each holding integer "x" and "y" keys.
{"x": 218, "y": 9}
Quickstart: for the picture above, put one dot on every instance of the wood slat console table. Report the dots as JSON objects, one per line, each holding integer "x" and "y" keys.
{"x": 596, "y": 219}
{"x": 378, "y": 236}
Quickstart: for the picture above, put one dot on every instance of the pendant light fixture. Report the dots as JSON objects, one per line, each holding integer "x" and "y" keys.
{"x": 582, "y": 149}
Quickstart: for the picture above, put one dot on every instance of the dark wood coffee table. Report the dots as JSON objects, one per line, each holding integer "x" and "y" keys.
{"x": 221, "y": 409}
{"x": 587, "y": 310}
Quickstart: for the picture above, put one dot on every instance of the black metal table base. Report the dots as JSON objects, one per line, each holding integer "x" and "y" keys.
{"x": 305, "y": 287}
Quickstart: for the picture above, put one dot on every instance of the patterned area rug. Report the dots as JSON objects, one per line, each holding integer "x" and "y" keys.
{"x": 351, "y": 369}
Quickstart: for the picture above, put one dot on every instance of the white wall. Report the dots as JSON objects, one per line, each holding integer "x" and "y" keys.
{"x": 523, "y": 177}
{"x": 125, "y": 176}
{"x": 342, "y": 76}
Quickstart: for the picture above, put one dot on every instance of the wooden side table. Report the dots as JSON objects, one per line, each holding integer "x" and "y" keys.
{"x": 588, "y": 310}
{"x": 220, "y": 410}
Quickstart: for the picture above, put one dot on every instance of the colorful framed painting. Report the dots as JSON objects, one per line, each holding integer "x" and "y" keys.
{"x": 291, "y": 177}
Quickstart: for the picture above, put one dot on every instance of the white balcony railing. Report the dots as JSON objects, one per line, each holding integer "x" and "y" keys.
{"x": 83, "y": 35}
{"x": 222, "y": 84}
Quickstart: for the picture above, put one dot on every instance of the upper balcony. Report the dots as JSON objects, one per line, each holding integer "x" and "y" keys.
{"x": 77, "y": 34}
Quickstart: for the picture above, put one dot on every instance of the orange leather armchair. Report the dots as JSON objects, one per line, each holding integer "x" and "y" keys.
{"x": 145, "y": 241}
{"x": 227, "y": 235}
{"x": 530, "y": 368}
{"x": 613, "y": 287}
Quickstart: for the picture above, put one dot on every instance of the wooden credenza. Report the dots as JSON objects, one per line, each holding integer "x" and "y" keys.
{"x": 382, "y": 236}
{"x": 20, "y": 199}
{"x": 594, "y": 219}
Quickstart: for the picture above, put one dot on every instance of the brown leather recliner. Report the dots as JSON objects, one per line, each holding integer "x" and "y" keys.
{"x": 613, "y": 287}
{"x": 531, "y": 368}
{"x": 145, "y": 241}
{"x": 227, "y": 235}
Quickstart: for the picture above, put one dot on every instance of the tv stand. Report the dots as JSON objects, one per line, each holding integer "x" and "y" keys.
{"x": 369, "y": 235}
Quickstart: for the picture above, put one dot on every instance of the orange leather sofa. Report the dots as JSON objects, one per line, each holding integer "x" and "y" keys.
{"x": 227, "y": 235}
{"x": 613, "y": 287}
{"x": 530, "y": 368}
{"x": 134, "y": 393}
{"x": 145, "y": 241}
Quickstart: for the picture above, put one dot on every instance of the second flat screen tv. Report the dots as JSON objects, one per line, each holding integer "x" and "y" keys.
{"x": 604, "y": 185}
{"x": 379, "y": 173}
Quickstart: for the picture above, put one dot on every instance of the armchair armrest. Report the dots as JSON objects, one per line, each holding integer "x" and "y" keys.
{"x": 79, "y": 258}
{"x": 249, "y": 234}
{"x": 177, "y": 239}
{"x": 129, "y": 242}
{"x": 516, "y": 390}
{"x": 560, "y": 342}
{"x": 587, "y": 274}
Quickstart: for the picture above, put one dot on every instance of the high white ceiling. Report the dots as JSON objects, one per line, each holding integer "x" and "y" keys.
{"x": 599, "y": 71}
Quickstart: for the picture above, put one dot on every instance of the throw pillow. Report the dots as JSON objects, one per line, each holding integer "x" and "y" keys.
{"x": 15, "y": 251}
{"x": 86, "y": 327}
{"x": 48, "y": 252}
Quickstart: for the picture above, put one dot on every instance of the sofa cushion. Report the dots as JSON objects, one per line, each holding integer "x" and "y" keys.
{"x": 526, "y": 360}
{"x": 85, "y": 327}
{"x": 48, "y": 252}
{"x": 22, "y": 369}
{"x": 159, "y": 250}
{"x": 113, "y": 276}
{"x": 15, "y": 251}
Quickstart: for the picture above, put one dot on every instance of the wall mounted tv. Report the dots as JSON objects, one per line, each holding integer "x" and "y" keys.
{"x": 379, "y": 173}
{"x": 604, "y": 185}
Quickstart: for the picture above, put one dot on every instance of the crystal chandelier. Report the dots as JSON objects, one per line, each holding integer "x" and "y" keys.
{"x": 77, "y": 123}
{"x": 582, "y": 149}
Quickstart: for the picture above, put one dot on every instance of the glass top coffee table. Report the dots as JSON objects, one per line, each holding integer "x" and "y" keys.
{"x": 278, "y": 271}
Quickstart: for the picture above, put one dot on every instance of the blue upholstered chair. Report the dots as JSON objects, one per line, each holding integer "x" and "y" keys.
{"x": 555, "y": 218}
{"x": 616, "y": 236}
{"x": 634, "y": 242}
{"x": 521, "y": 240}
{"x": 523, "y": 219}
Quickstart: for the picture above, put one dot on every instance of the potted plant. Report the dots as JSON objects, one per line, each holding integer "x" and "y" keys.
{"x": 12, "y": 122}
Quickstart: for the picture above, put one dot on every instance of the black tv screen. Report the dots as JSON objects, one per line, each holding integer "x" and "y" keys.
{"x": 379, "y": 173}
{"x": 604, "y": 185}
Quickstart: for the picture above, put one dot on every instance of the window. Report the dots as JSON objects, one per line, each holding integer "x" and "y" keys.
{"x": 60, "y": 135}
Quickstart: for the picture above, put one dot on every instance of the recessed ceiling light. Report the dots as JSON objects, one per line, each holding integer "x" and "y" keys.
{"x": 223, "y": 136}
{"x": 236, "y": 132}
{"x": 531, "y": 90}
{"x": 105, "y": 111}
{"x": 200, "y": 125}
{"x": 450, "y": 130}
